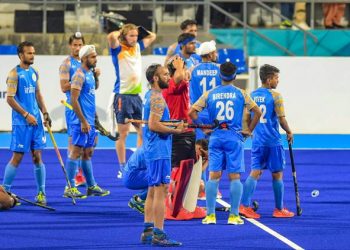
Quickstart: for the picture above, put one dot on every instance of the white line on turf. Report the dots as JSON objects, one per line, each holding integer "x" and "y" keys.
{"x": 265, "y": 228}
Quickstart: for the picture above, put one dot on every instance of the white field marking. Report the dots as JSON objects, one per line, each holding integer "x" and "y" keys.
{"x": 265, "y": 228}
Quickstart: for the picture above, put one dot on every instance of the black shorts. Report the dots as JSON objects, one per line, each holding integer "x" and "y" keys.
{"x": 127, "y": 106}
{"x": 183, "y": 148}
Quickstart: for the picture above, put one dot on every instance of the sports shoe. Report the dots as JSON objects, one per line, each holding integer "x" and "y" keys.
{"x": 199, "y": 213}
{"x": 286, "y": 24}
{"x": 248, "y": 212}
{"x": 137, "y": 204}
{"x": 162, "y": 240}
{"x": 209, "y": 219}
{"x": 80, "y": 179}
{"x": 235, "y": 220}
{"x": 40, "y": 198}
{"x": 282, "y": 213}
{"x": 146, "y": 236}
{"x": 97, "y": 191}
{"x": 73, "y": 192}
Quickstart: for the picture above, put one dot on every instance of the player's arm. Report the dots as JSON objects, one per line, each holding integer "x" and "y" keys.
{"x": 198, "y": 106}
{"x": 64, "y": 76}
{"x": 77, "y": 84}
{"x": 113, "y": 39}
{"x": 170, "y": 53}
{"x": 254, "y": 108}
{"x": 42, "y": 106}
{"x": 12, "y": 83}
{"x": 279, "y": 109}
{"x": 157, "y": 109}
{"x": 148, "y": 40}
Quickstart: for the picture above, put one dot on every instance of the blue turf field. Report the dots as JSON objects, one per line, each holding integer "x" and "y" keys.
{"x": 108, "y": 223}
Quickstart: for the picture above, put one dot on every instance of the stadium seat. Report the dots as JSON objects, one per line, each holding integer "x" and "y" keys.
{"x": 160, "y": 51}
{"x": 8, "y": 50}
{"x": 236, "y": 56}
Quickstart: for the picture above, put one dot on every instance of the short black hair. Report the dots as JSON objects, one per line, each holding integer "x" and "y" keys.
{"x": 186, "y": 23}
{"x": 227, "y": 69}
{"x": 267, "y": 71}
{"x": 76, "y": 36}
{"x": 22, "y": 45}
{"x": 203, "y": 143}
{"x": 151, "y": 71}
{"x": 185, "y": 36}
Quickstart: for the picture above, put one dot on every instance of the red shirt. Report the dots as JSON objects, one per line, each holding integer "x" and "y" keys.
{"x": 178, "y": 100}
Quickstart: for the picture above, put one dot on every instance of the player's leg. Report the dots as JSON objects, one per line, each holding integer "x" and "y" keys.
{"x": 234, "y": 160}
{"x": 136, "y": 102}
{"x": 147, "y": 234}
{"x": 78, "y": 140}
{"x": 39, "y": 143}
{"x": 276, "y": 164}
{"x": 20, "y": 143}
{"x": 159, "y": 180}
{"x": 86, "y": 164}
{"x": 136, "y": 180}
{"x": 258, "y": 162}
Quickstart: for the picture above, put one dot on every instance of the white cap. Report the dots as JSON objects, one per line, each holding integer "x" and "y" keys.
{"x": 206, "y": 47}
{"x": 86, "y": 50}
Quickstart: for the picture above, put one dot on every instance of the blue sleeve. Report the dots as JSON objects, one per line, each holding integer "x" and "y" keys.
{"x": 142, "y": 45}
{"x": 116, "y": 51}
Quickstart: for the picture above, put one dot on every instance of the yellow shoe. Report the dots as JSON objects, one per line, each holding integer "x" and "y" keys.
{"x": 235, "y": 220}
{"x": 209, "y": 219}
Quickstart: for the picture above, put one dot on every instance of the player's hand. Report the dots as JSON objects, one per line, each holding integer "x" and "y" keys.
{"x": 31, "y": 120}
{"x": 290, "y": 137}
{"x": 97, "y": 72}
{"x": 180, "y": 127}
{"x": 85, "y": 127}
{"x": 178, "y": 63}
{"x": 246, "y": 133}
{"x": 47, "y": 119}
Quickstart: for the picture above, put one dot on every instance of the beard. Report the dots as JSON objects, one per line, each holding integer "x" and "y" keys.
{"x": 90, "y": 65}
{"x": 163, "y": 84}
{"x": 28, "y": 62}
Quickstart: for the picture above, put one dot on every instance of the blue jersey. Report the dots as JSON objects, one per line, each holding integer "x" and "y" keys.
{"x": 157, "y": 146}
{"x": 67, "y": 70}
{"x": 225, "y": 103}
{"x": 85, "y": 82}
{"x": 22, "y": 84}
{"x": 204, "y": 77}
{"x": 136, "y": 161}
{"x": 266, "y": 133}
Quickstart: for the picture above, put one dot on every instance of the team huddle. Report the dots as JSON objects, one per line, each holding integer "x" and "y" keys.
{"x": 195, "y": 120}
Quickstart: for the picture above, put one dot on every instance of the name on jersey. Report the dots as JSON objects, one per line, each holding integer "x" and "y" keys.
{"x": 220, "y": 96}
{"x": 29, "y": 90}
{"x": 203, "y": 72}
{"x": 259, "y": 98}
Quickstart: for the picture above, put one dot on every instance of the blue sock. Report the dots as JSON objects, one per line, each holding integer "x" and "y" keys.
{"x": 236, "y": 189}
{"x": 278, "y": 190}
{"x": 10, "y": 173}
{"x": 158, "y": 231}
{"x": 148, "y": 225}
{"x": 248, "y": 190}
{"x": 211, "y": 190}
{"x": 86, "y": 165}
{"x": 40, "y": 177}
{"x": 143, "y": 194}
{"x": 72, "y": 166}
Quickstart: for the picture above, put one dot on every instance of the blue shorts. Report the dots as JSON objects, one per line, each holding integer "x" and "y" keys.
{"x": 272, "y": 158}
{"x": 127, "y": 106}
{"x": 136, "y": 179}
{"x": 80, "y": 139}
{"x": 26, "y": 138}
{"x": 158, "y": 172}
{"x": 226, "y": 152}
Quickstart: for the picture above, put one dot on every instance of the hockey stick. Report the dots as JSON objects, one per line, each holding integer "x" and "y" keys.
{"x": 294, "y": 173}
{"x": 98, "y": 125}
{"x": 32, "y": 203}
{"x": 61, "y": 161}
{"x": 176, "y": 123}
